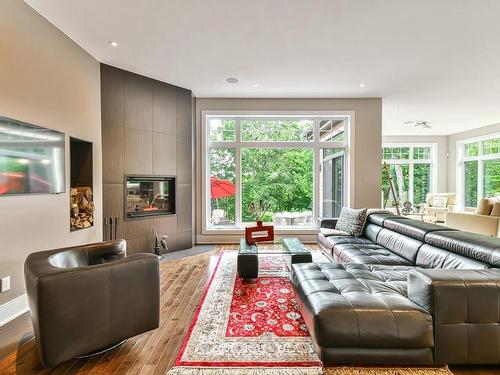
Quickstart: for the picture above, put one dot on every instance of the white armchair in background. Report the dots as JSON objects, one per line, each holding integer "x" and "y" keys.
{"x": 439, "y": 204}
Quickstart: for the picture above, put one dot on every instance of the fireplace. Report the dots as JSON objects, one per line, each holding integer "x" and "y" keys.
{"x": 147, "y": 196}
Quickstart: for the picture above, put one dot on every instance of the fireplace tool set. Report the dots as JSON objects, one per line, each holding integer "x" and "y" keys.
{"x": 110, "y": 227}
{"x": 161, "y": 247}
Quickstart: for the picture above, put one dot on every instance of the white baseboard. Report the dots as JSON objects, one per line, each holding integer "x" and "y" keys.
{"x": 12, "y": 309}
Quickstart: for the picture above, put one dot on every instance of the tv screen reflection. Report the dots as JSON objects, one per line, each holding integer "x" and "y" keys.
{"x": 31, "y": 159}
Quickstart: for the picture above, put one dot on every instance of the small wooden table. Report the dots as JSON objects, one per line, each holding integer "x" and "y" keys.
{"x": 291, "y": 248}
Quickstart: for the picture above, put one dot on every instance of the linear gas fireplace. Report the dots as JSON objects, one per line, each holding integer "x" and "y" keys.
{"x": 147, "y": 196}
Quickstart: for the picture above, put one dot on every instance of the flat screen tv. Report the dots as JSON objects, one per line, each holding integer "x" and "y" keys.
{"x": 31, "y": 159}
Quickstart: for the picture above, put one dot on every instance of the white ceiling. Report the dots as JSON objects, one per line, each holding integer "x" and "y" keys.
{"x": 434, "y": 60}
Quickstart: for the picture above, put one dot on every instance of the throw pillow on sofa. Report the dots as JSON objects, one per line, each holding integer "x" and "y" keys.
{"x": 496, "y": 209}
{"x": 484, "y": 207}
{"x": 352, "y": 221}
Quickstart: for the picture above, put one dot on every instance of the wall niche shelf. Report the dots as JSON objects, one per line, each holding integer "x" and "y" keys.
{"x": 82, "y": 184}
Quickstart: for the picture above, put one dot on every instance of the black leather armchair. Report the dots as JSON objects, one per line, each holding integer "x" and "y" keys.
{"x": 86, "y": 298}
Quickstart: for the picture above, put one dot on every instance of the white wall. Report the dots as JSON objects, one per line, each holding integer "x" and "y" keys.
{"x": 367, "y": 138}
{"x": 441, "y": 142}
{"x": 452, "y": 147}
{"x": 45, "y": 79}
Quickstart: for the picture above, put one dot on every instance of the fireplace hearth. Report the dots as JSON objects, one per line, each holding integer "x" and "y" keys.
{"x": 147, "y": 196}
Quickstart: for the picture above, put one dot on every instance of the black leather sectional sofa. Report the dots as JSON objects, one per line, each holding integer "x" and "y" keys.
{"x": 406, "y": 292}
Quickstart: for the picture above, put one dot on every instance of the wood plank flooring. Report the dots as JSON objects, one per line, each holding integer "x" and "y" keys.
{"x": 182, "y": 284}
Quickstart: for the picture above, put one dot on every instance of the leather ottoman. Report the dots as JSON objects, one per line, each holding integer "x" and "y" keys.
{"x": 360, "y": 314}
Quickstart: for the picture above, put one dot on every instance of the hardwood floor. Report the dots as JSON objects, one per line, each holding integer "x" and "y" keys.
{"x": 182, "y": 284}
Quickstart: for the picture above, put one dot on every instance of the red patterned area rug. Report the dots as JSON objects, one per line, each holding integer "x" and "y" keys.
{"x": 247, "y": 327}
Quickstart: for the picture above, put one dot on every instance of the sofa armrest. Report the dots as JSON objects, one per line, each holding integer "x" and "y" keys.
{"x": 464, "y": 305}
{"x": 327, "y": 222}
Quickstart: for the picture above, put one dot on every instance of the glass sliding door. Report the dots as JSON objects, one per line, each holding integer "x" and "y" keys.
{"x": 332, "y": 181}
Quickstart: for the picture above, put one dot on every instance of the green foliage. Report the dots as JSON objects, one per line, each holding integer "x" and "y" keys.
{"x": 472, "y": 149}
{"x": 268, "y": 217}
{"x": 471, "y": 176}
{"x": 491, "y": 146}
{"x": 491, "y": 178}
{"x": 282, "y": 177}
{"x": 276, "y": 130}
{"x": 421, "y": 182}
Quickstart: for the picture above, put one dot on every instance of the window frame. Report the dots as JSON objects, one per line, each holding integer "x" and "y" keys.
{"x": 480, "y": 158}
{"x": 315, "y": 145}
{"x": 411, "y": 161}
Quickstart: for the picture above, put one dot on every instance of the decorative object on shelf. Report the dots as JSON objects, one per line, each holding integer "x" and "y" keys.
{"x": 82, "y": 208}
{"x": 259, "y": 233}
{"x": 161, "y": 247}
{"x": 407, "y": 208}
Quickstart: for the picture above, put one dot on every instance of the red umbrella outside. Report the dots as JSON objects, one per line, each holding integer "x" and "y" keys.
{"x": 220, "y": 188}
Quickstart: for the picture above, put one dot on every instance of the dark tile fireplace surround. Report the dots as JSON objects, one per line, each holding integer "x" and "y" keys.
{"x": 146, "y": 133}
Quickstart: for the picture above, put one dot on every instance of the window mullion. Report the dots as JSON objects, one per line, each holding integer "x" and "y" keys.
{"x": 237, "y": 177}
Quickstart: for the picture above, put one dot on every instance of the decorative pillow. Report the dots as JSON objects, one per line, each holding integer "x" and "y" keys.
{"x": 496, "y": 209}
{"x": 484, "y": 207}
{"x": 328, "y": 232}
{"x": 439, "y": 201}
{"x": 352, "y": 221}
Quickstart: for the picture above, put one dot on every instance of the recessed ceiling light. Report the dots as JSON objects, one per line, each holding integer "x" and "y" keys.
{"x": 395, "y": 108}
{"x": 113, "y": 43}
{"x": 255, "y": 84}
{"x": 361, "y": 85}
{"x": 232, "y": 80}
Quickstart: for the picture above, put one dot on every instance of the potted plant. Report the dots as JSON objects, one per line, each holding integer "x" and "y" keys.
{"x": 258, "y": 210}
{"x": 259, "y": 233}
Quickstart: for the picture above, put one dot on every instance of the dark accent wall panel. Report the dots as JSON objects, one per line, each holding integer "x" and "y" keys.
{"x": 146, "y": 129}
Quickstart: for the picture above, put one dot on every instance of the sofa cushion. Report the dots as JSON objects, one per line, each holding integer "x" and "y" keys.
{"x": 353, "y": 306}
{"x": 378, "y": 218}
{"x": 402, "y": 245}
{"x": 328, "y": 242}
{"x": 412, "y": 228}
{"x": 327, "y": 232}
{"x": 366, "y": 254}
{"x": 371, "y": 231}
{"x": 472, "y": 245}
{"x": 433, "y": 257}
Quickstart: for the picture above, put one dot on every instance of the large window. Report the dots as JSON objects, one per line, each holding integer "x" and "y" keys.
{"x": 412, "y": 171}
{"x": 478, "y": 169}
{"x": 296, "y": 164}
